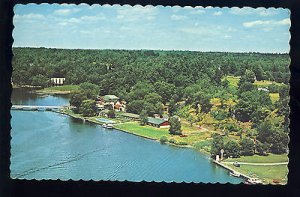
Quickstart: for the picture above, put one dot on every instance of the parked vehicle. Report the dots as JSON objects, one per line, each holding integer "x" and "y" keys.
{"x": 236, "y": 164}
{"x": 108, "y": 126}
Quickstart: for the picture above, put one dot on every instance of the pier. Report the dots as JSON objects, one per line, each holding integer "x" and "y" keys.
{"x": 37, "y": 108}
{"x": 230, "y": 169}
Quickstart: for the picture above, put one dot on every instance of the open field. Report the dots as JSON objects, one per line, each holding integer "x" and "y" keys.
{"x": 146, "y": 131}
{"x": 274, "y": 97}
{"x": 233, "y": 81}
{"x": 266, "y": 173}
{"x": 65, "y": 89}
{"x": 271, "y": 158}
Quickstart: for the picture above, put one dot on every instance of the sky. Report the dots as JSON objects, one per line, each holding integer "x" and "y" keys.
{"x": 152, "y": 27}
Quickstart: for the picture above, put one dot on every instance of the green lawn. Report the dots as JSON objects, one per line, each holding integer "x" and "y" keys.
{"x": 263, "y": 83}
{"x": 233, "y": 81}
{"x": 146, "y": 131}
{"x": 274, "y": 97}
{"x": 62, "y": 88}
{"x": 157, "y": 133}
{"x": 266, "y": 173}
{"x": 271, "y": 158}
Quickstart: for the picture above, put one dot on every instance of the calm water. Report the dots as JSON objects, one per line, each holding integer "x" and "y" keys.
{"x": 46, "y": 145}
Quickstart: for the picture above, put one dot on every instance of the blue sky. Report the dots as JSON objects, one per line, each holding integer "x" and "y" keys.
{"x": 167, "y": 28}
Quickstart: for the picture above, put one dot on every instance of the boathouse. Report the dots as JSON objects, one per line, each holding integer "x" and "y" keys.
{"x": 130, "y": 116}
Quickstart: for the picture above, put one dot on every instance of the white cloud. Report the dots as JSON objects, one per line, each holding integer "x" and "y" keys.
{"x": 211, "y": 30}
{"x": 251, "y": 11}
{"x": 92, "y": 18}
{"x": 286, "y": 21}
{"x": 267, "y": 12}
{"x": 198, "y": 11}
{"x": 79, "y": 20}
{"x": 64, "y": 12}
{"x": 242, "y": 11}
{"x": 256, "y": 23}
{"x": 30, "y": 16}
{"x": 227, "y": 36}
{"x": 218, "y": 13}
{"x": 178, "y": 17}
{"x": 135, "y": 13}
{"x": 264, "y": 23}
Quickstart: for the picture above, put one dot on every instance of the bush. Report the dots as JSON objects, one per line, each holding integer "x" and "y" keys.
{"x": 163, "y": 139}
{"x": 232, "y": 149}
{"x": 182, "y": 143}
{"x": 220, "y": 114}
{"x": 247, "y": 147}
{"x": 273, "y": 88}
{"x": 173, "y": 141}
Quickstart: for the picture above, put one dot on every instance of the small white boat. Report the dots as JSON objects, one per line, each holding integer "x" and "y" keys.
{"x": 108, "y": 126}
{"x": 236, "y": 174}
{"x": 253, "y": 181}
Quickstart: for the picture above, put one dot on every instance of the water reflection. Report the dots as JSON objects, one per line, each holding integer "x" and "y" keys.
{"x": 26, "y": 96}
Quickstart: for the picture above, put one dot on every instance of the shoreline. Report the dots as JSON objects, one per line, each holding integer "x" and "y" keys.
{"x": 220, "y": 164}
{"x": 125, "y": 131}
{"x": 242, "y": 177}
{"x": 51, "y": 92}
{"x": 42, "y": 91}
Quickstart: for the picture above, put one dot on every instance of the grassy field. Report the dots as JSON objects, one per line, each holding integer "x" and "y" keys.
{"x": 157, "y": 133}
{"x": 266, "y": 173}
{"x": 233, "y": 81}
{"x": 62, "y": 88}
{"x": 271, "y": 158}
{"x": 146, "y": 131}
{"x": 274, "y": 97}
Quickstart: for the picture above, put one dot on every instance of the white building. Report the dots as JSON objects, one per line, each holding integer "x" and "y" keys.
{"x": 57, "y": 81}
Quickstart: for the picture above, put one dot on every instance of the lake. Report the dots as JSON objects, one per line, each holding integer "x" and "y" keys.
{"x": 48, "y": 145}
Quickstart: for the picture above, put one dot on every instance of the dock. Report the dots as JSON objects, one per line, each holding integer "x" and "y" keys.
{"x": 37, "y": 108}
{"x": 230, "y": 169}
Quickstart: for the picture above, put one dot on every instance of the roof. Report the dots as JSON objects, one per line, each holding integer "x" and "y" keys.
{"x": 110, "y": 97}
{"x": 156, "y": 121}
{"x": 130, "y": 115}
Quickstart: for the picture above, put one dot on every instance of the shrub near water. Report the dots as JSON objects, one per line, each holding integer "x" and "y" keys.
{"x": 163, "y": 139}
{"x": 173, "y": 141}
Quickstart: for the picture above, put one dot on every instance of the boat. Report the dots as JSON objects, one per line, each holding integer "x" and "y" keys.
{"x": 253, "y": 181}
{"x": 236, "y": 174}
{"x": 108, "y": 126}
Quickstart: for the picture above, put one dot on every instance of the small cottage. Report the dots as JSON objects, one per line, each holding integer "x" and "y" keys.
{"x": 110, "y": 98}
{"x": 158, "y": 122}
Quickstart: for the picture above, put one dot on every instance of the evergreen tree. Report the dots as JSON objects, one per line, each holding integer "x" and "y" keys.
{"x": 143, "y": 117}
{"x": 88, "y": 108}
{"x": 232, "y": 149}
{"x": 175, "y": 126}
{"x": 216, "y": 145}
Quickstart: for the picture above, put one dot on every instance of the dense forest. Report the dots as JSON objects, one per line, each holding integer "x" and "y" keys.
{"x": 186, "y": 82}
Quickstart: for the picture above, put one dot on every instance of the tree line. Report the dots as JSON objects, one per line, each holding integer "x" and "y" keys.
{"x": 185, "y": 81}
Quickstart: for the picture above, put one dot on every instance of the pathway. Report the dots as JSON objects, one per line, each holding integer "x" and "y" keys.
{"x": 258, "y": 164}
